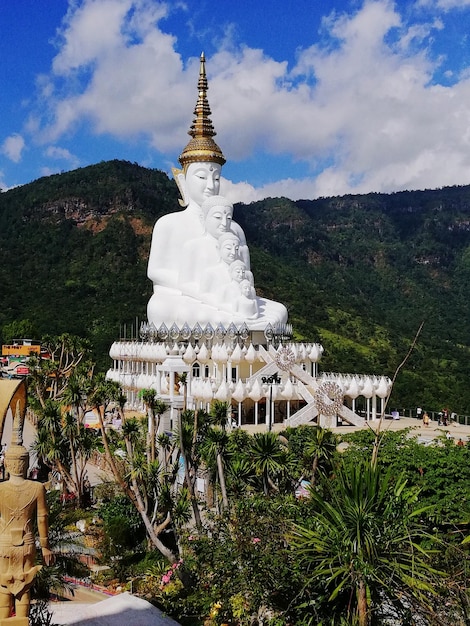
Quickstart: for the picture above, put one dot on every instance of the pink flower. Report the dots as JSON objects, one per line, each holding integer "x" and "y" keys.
{"x": 166, "y": 578}
{"x": 256, "y": 540}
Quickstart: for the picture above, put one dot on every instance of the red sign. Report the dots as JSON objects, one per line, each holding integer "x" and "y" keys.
{"x": 22, "y": 371}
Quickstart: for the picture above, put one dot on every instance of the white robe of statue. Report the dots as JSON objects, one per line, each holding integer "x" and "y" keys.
{"x": 202, "y": 252}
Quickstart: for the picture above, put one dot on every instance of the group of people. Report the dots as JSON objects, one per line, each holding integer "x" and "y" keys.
{"x": 443, "y": 417}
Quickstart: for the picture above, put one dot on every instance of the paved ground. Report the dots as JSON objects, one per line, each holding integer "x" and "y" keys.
{"x": 423, "y": 433}
{"x": 84, "y": 595}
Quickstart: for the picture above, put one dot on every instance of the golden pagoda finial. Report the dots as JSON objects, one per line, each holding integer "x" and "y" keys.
{"x": 17, "y": 456}
{"x": 201, "y": 146}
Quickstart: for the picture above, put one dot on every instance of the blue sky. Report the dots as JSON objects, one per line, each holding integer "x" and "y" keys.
{"x": 310, "y": 98}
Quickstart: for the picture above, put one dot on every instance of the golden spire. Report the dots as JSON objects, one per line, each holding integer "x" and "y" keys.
{"x": 201, "y": 147}
{"x": 16, "y": 452}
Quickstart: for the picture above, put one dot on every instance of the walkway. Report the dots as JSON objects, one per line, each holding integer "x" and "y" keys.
{"x": 424, "y": 434}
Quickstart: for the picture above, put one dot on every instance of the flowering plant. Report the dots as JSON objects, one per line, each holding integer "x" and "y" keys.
{"x": 166, "y": 578}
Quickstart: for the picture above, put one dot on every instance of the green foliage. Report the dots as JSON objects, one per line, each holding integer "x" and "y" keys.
{"x": 241, "y": 569}
{"x": 67, "y": 546}
{"x": 270, "y": 558}
{"x": 122, "y": 526}
{"x": 314, "y": 447}
{"x": 19, "y": 329}
{"x": 83, "y": 236}
{"x": 365, "y": 545}
{"x": 440, "y": 470}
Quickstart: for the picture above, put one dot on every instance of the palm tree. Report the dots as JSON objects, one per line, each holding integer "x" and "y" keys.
{"x": 102, "y": 393}
{"x": 70, "y": 432}
{"x": 267, "y": 456}
{"x": 213, "y": 448}
{"x": 50, "y": 443}
{"x": 239, "y": 474}
{"x": 187, "y": 445}
{"x": 155, "y": 407}
{"x": 365, "y": 544}
{"x": 320, "y": 449}
{"x": 130, "y": 430}
{"x": 74, "y": 397}
{"x": 67, "y": 353}
{"x": 167, "y": 448}
{"x": 219, "y": 412}
{"x": 217, "y": 442}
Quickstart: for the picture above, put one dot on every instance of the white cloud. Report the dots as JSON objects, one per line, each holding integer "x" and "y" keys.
{"x": 13, "y": 147}
{"x": 121, "y": 72}
{"x": 446, "y": 5}
{"x": 97, "y": 28}
{"x": 62, "y": 154}
{"x": 48, "y": 171}
{"x": 362, "y": 100}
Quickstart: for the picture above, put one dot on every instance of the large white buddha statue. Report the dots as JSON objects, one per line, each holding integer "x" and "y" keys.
{"x": 192, "y": 249}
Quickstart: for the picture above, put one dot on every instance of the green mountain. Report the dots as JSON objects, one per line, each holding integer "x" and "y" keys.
{"x": 357, "y": 273}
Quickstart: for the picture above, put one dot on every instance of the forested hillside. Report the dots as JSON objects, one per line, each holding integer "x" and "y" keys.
{"x": 357, "y": 273}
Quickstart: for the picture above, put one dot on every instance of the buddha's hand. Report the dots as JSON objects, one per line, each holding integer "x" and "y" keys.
{"x": 48, "y": 556}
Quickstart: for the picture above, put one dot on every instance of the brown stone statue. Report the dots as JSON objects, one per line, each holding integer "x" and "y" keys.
{"x": 22, "y": 502}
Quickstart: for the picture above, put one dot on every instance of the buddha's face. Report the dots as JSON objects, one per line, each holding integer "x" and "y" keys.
{"x": 202, "y": 181}
{"x": 218, "y": 220}
{"x": 245, "y": 288}
{"x": 237, "y": 271}
{"x": 229, "y": 249}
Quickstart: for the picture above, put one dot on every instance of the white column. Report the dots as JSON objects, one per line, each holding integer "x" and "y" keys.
{"x": 374, "y": 407}
{"x": 172, "y": 385}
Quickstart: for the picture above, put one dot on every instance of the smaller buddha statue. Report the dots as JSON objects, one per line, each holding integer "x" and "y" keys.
{"x": 202, "y": 252}
{"x": 238, "y": 272}
{"x": 246, "y": 304}
{"x": 217, "y": 277}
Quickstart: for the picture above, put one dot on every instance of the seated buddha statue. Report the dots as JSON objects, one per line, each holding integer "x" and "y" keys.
{"x": 187, "y": 265}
